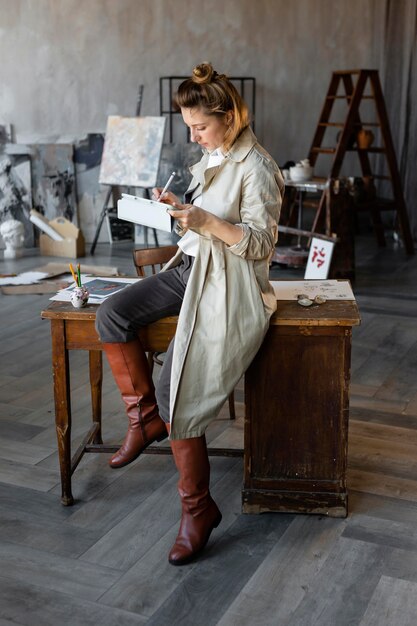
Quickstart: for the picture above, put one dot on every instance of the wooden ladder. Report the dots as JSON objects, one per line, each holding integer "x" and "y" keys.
{"x": 354, "y": 93}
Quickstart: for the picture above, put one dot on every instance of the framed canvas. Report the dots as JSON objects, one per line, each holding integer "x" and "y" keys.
{"x": 132, "y": 151}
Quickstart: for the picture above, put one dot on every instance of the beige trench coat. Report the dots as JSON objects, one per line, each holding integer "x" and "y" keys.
{"x": 229, "y": 300}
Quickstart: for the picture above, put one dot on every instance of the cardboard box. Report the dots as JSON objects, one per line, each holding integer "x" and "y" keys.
{"x": 72, "y": 245}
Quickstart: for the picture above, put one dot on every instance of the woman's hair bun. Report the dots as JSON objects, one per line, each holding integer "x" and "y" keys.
{"x": 204, "y": 73}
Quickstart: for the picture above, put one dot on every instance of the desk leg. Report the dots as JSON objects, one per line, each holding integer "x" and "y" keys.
{"x": 60, "y": 365}
{"x": 96, "y": 380}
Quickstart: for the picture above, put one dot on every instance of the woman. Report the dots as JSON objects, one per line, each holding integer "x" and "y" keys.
{"x": 218, "y": 285}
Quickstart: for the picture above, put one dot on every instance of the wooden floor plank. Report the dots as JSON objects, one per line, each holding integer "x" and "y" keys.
{"x": 24, "y": 475}
{"x": 281, "y": 582}
{"x": 382, "y": 532}
{"x": 55, "y": 572}
{"x": 41, "y": 505}
{"x": 393, "y": 602}
{"x": 384, "y": 507}
{"x": 402, "y": 383}
{"x": 375, "y": 404}
{"x": 341, "y": 593}
{"x": 382, "y": 484}
{"x": 22, "y": 529}
{"x": 388, "y": 342}
{"x": 24, "y": 452}
{"x": 28, "y": 604}
{"x": 18, "y": 431}
{"x": 397, "y": 418}
{"x": 381, "y": 456}
{"x": 383, "y": 432}
{"x": 411, "y": 408}
{"x": 128, "y": 489}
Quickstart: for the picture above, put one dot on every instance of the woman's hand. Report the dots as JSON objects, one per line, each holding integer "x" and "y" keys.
{"x": 167, "y": 198}
{"x": 190, "y": 216}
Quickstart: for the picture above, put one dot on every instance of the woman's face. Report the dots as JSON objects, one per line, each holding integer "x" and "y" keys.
{"x": 207, "y": 130}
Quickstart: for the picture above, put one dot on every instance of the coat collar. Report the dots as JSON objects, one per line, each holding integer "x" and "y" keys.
{"x": 242, "y": 146}
{"x": 239, "y": 151}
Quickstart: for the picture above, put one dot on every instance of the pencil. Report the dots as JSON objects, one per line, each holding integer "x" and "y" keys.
{"x": 169, "y": 181}
{"x": 79, "y": 275}
{"x": 73, "y": 274}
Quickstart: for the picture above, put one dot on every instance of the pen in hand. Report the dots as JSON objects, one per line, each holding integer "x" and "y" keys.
{"x": 165, "y": 189}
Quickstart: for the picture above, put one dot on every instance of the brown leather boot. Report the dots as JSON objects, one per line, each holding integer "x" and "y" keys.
{"x": 199, "y": 511}
{"x": 131, "y": 372}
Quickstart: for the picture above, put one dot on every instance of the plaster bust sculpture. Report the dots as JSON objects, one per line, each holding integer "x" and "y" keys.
{"x": 13, "y": 233}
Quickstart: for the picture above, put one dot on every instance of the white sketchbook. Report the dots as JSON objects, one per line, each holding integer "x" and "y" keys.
{"x": 145, "y": 212}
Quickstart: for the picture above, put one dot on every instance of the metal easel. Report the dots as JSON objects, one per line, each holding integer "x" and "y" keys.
{"x": 113, "y": 193}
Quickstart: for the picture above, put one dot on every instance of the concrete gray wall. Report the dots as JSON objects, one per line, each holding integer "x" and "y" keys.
{"x": 68, "y": 64}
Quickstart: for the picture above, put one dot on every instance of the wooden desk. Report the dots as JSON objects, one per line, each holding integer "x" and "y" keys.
{"x": 296, "y": 395}
{"x": 297, "y": 411}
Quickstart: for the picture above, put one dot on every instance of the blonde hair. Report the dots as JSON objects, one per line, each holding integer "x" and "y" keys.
{"x": 215, "y": 94}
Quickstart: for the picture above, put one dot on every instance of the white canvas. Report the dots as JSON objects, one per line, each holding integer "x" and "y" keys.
{"x": 319, "y": 259}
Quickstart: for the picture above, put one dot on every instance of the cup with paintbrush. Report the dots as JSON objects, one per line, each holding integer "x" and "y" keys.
{"x": 79, "y": 295}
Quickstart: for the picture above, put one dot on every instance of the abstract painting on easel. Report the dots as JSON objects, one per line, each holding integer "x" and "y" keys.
{"x": 132, "y": 150}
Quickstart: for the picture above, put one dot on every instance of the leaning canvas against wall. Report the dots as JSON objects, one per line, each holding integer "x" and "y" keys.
{"x": 6, "y": 135}
{"x": 53, "y": 181}
{"x": 16, "y": 192}
{"x": 132, "y": 151}
{"x": 90, "y": 194}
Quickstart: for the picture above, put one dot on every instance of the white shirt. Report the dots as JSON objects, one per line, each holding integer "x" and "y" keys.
{"x": 189, "y": 242}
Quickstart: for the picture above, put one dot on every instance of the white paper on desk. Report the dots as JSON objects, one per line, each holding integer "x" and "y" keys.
{"x": 64, "y": 294}
{"x": 145, "y": 212}
{"x": 331, "y": 289}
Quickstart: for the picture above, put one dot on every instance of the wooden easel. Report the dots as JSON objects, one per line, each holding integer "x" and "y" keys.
{"x": 113, "y": 193}
{"x": 354, "y": 93}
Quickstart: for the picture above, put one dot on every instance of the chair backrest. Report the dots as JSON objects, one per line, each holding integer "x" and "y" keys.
{"x": 153, "y": 258}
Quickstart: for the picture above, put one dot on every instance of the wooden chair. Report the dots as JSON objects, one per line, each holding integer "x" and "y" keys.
{"x": 153, "y": 260}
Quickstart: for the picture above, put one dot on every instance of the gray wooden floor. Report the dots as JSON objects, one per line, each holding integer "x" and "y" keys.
{"x": 104, "y": 560}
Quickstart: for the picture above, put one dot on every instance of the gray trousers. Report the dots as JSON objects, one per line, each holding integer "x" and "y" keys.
{"x": 150, "y": 299}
